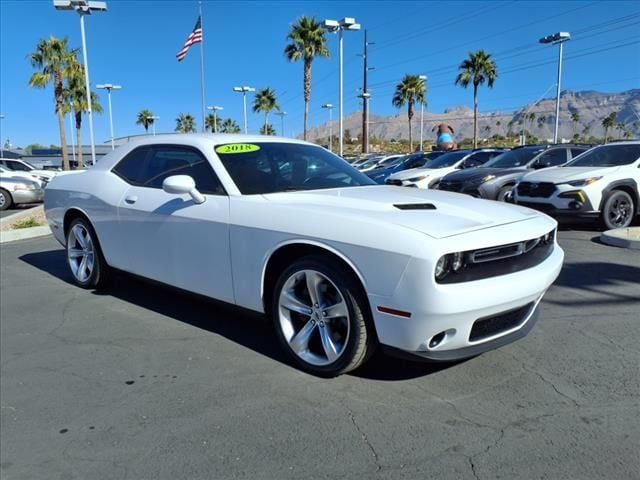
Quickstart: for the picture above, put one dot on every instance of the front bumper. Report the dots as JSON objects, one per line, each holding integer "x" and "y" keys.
{"x": 576, "y": 206}
{"x": 27, "y": 196}
{"x": 444, "y": 316}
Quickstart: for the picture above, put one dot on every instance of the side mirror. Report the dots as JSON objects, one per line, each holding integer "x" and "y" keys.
{"x": 180, "y": 184}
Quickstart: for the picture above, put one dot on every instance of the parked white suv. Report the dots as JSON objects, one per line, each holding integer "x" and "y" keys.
{"x": 601, "y": 183}
{"x": 20, "y": 166}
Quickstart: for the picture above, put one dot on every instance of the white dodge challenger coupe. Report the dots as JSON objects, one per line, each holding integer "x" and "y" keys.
{"x": 287, "y": 228}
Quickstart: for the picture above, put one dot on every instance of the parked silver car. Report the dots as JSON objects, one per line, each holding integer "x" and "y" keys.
{"x": 15, "y": 190}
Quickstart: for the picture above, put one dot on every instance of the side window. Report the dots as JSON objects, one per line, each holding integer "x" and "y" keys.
{"x": 149, "y": 166}
{"x": 17, "y": 166}
{"x": 477, "y": 159}
{"x": 131, "y": 167}
{"x": 577, "y": 151}
{"x": 551, "y": 158}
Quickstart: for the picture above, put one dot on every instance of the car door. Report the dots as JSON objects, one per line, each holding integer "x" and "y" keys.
{"x": 168, "y": 237}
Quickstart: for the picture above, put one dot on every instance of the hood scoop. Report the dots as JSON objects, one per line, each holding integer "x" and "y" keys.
{"x": 414, "y": 206}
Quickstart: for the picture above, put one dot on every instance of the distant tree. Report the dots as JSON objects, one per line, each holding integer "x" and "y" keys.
{"x": 477, "y": 69}
{"x": 607, "y": 123}
{"x": 145, "y": 118}
{"x": 267, "y": 130}
{"x": 308, "y": 41}
{"x": 575, "y": 118}
{"x": 211, "y": 123}
{"x": 31, "y": 147}
{"x": 185, "y": 123}
{"x": 621, "y": 127}
{"x": 541, "y": 121}
{"x": 51, "y": 57}
{"x": 409, "y": 91}
{"x": 265, "y": 101}
{"x": 487, "y": 130}
{"x": 229, "y": 126}
{"x": 75, "y": 94}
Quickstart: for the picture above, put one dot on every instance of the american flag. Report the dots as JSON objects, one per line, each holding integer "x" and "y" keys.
{"x": 194, "y": 37}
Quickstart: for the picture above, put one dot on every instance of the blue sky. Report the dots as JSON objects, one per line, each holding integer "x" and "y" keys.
{"x": 135, "y": 42}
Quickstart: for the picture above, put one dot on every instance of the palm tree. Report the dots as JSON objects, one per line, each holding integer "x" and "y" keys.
{"x": 229, "y": 126}
{"x": 267, "y": 130}
{"x": 307, "y": 42}
{"x": 409, "y": 91}
{"x": 621, "y": 127}
{"x": 211, "y": 123}
{"x": 487, "y": 130}
{"x": 607, "y": 123}
{"x": 575, "y": 118}
{"x": 145, "y": 118}
{"x": 75, "y": 95}
{"x": 477, "y": 69}
{"x": 50, "y": 58}
{"x": 265, "y": 101}
{"x": 542, "y": 119}
{"x": 185, "y": 123}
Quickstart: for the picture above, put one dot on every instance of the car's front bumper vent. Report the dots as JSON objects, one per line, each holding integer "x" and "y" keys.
{"x": 493, "y": 325}
{"x": 533, "y": 190}
{"x": 415, "y": 206}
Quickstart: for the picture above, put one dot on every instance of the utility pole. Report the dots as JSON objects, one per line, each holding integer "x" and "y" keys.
{"x": 365, "y": 100}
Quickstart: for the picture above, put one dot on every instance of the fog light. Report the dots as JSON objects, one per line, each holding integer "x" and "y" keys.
{"x": 436, "y": 340}
{"x": 575, "y": 205}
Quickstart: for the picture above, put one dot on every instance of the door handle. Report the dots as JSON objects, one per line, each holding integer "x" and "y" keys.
{"x": 131, "y": 199}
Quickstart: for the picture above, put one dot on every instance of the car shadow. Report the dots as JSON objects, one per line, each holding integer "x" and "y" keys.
{"x": 592, "y": 276}
{"x": 249, "y": 329}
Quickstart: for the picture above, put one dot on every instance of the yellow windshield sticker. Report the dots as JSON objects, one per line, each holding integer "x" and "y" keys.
{"x": 237, "y": 148}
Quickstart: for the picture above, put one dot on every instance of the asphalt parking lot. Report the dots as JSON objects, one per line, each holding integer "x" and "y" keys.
{"x": 142, "y": 382}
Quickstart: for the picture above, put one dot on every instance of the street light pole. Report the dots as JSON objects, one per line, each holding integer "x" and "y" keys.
{"x": 244, "y": 91}
{"x": 346, "y": 23}
{"x": 108, "y": 87}
{"x": 153, "y": 119}
{"x": 329, "y": 107}
{"x": 423, "y": 78}
{"x": 281, "y": 115}
{"x": 557, "y": 38}
{"x": 215, "y": 109}
{"x": 1, "y": 144}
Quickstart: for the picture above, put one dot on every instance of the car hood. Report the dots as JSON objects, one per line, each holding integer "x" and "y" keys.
{"x": 416, "y": 172}
{"x": 454, "y": 214}
{"x": 471, "y": 174}
{"x": 567, "y": 174}
{"x": 44, "y": 173}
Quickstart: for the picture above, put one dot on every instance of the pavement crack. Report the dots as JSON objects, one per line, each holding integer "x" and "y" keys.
{"x": 365, "y": 439}
{"x": 473, "y": 468}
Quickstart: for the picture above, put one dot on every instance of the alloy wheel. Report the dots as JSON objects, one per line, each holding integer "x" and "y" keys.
{"x": 619, "y": 212}
{"x": 80, "y": 253}
{"x": 313, "y": 317}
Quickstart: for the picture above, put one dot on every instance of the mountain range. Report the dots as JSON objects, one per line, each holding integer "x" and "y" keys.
{"x": 591, "y": 107}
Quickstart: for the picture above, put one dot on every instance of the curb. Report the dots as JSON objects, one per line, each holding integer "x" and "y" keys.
{"x": 621, "y": 237}
{"x": 24, "y": 233}
{"x": 19, "y": 215}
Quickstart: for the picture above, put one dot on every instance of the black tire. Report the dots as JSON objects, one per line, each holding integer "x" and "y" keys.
{"x": 617, "y": 210}
{"x": 502, "y": 194}
{"x": 5, "y": 199}
{"x": 100, "y": 273}
{"x": 361, "y": 341}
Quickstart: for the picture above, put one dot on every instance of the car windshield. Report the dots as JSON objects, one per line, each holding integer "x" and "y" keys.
{"x": 271, "y": 167}
{"x": 448, "y": 159}
{"x": 18, "y": 166}
{"x": 388, "y": 161}
{"x": 607, "y": 156}
{"x": 368, "y": 164}
{"x": 513, "y": 158}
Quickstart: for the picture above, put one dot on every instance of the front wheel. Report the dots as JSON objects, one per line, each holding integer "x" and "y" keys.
{"x": 503, "y": 193}
{"x": 5, "y": 199}
{"x": 618, "y": 210}
{"x": 84, "y": 256}
{"x": 321, "y": 317}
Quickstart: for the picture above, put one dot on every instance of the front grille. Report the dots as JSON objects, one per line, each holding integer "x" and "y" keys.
{"x": 502, "y": 259}
{"x": 495, "y": 324}
{"x": 531, "y": 189}
{"x": 392, "y": 181}
{"x": 450, "y": 186}
{"x": 541, "y": 207}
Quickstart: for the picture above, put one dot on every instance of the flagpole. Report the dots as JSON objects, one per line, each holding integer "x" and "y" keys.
{"x": 202, "y": 66}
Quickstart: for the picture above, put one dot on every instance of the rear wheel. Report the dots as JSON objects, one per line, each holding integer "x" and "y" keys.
{"x": 84, "y": 256}
{"x": 321, "y": 317}
{"x": 5, "y": 199}
{"x": 618, "y": 210}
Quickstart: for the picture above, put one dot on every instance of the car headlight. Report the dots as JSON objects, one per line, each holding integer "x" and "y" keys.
{"x": 583, "y": 182}
{"x": 451, "y": 262}
{"x": 417, "y": 179}
{"x": 486, "y": 178}
{"x": 24, "y": 186}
